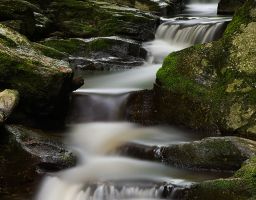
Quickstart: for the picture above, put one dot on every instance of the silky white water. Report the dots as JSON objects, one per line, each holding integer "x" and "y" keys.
{"x": 101, "y": 174}
{"x": 201, "y": 8}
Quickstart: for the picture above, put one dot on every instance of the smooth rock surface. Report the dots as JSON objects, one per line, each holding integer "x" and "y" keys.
{"x": 8, "y": 101}
{"x": 101, "y": 53}
{"x": 50, "y": 153}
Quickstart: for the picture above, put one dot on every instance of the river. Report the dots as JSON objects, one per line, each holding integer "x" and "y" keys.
{"x": 98, "y": 125}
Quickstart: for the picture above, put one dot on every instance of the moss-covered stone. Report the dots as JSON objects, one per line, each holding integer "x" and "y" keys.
{"x": 40, "y": 80}
{"x": 23, "y": 12}
{"x": 214, "y": 153}
{"x": 211, "y": 86}
{"x": 101, "y": 53}
{"x": 95, "y": 18}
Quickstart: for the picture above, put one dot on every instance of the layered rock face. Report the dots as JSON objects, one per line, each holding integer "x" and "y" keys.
{"x": 212, "y": 86}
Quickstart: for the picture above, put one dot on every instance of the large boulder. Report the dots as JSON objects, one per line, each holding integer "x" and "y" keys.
{"x": 8, "y": 100}
{"x": 228, "y": 7}
{"x": 42, "y": 82}
{"x": 96, "y": 18}
{"x": 212, "y": 86}
{"x": 24, "y": 17}
{"x": 163, "y": 7}
{"x": 102, "y": 53}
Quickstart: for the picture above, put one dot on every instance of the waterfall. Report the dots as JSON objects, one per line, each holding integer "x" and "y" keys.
{"x": 190, "y": 32}
{"x": 102, "y": 173}
{"x": 87, "y": 106}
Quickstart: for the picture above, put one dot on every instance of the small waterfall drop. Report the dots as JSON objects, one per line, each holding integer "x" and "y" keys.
{"x": 185, "y": 33}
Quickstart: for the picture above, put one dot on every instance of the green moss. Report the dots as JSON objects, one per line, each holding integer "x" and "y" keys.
{"x": 242, "y": 16}
{"x": 50, "y": 52}
{"x": 240, "y": 187}
{"x": 68, "y": 46}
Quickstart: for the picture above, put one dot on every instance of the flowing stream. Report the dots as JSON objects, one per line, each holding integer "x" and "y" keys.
{"x": 98, "y": 127}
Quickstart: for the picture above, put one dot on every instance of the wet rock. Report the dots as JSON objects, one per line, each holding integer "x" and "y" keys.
{"x": 224, "y": 153}
{"x": 214, "y": 153}
{"x": 211, "y": 87}
{"x": 21, "y": 14}
{"x": 108, "y": 53}
{"x": 140, "y": 107}
{"x": 98, "y": 18}
{"x": 42, "y": 82}
{"x": 26, "y": 18}
{"x": 160, "y": 7}
{"x": 8, "y": 101}
{"x": 50, "y": 153}
{"x": 18, "y": 176}
{"x": 228, "y": 7}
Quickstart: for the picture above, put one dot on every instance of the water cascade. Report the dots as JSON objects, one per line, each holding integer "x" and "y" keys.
{"x": 191, "y": 31}
{"x": 102, "y": 174}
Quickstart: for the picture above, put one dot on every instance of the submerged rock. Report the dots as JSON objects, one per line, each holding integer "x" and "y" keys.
{"x": 102, "y": 53}
{"x": 239, "y": 187}
{"x": 42, "y": 82}
{"x": 8, "y": 100}
{"x": 212, "y": 86}
{"x": 50, "y": 153}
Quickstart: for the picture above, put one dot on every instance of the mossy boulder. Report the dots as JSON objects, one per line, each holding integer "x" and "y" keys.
{"x": 102, "y": 53}
{"x": 19, "y": 14}
{"x": 42, "y": 82}
{"x": 24, "y": 17}
{"x": 74, "y": 18}
{"x": 8, "y": 101}
{"x": 214, "y": 153}
{"x": 161, "y": 7}
{"x": 211, "y": 86}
